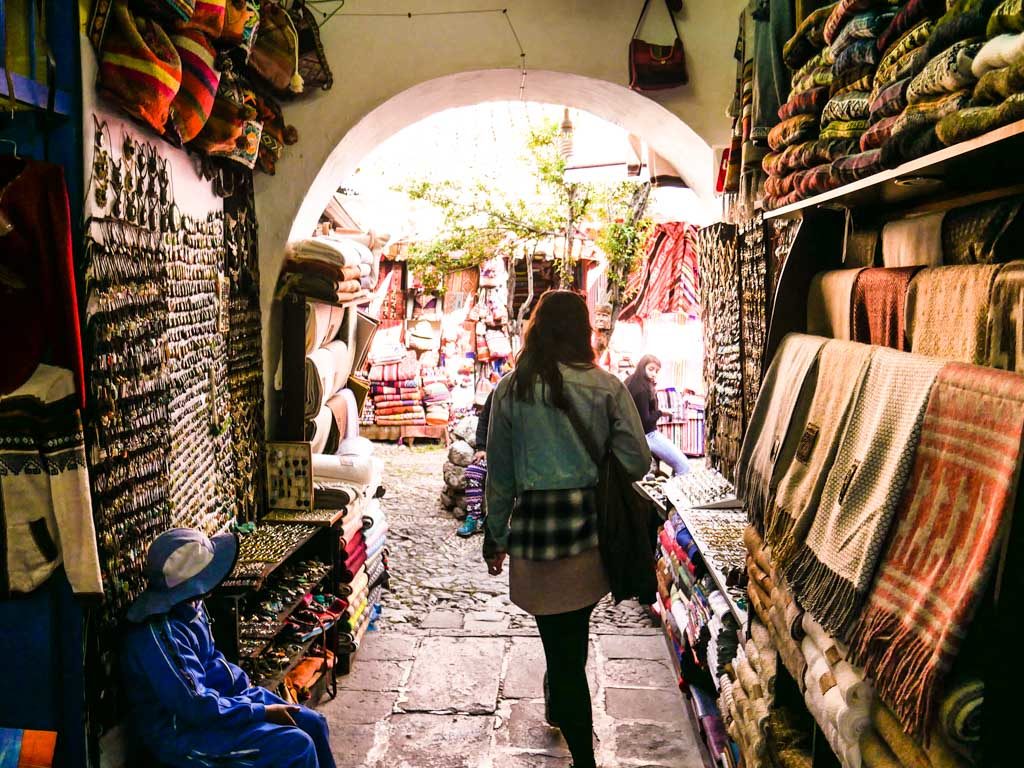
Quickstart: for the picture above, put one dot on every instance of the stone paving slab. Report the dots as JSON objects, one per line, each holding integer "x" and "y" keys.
{"x": 635, "y": 647}
{"x": 352, "y": 744}
{"x": 360, "y": 707}
{"x": 525, "y": 676}
{"x": 374, "y": 675}
{"x": 657, "y": 745}
{"x": 645, "y": 704}
{"x": 527, "y": 760}
{"x": 455, "y": 674}
{"x": 526, "y": 729}
{"x": 639, "y": 673}
{"x": 443, "y": 620}
{"x": 438, "y": 741}
{"x": 389, "y": 647}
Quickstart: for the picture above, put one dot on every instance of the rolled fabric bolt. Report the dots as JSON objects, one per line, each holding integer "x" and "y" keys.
{"x": 852, "y": 722}
{"x": 748, "y": 679}
{"x": 875, "y": 753}
{"x": 833, "y": 650}
{"x": 856, "y": 690}
{"x": 321, "y": 429}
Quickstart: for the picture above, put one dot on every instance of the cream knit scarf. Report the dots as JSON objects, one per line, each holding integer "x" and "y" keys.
{"x": 841, "y": 370}
{"x": 767, "y": 450}
{"x": 833, "y": 570}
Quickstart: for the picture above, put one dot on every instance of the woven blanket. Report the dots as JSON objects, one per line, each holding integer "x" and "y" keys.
{"x": 860, "y": 56}
{"x": 998, "y": 85}
{"x": 956, "y": 510}
{"x": 323, "y": 321}
{"x": 864, "y": 84}
{"x": 841, "y": 14}
{"x": 1001, "y": 51}
{"x": 850, "y": 106}
{"x": 913, "y": 242}
{"x": 793, "y": 131}
{"x": 984, "y": 233}
{"x": 842, "y": 365}
{"x": 964, "y": 20}
{"x": 947, "y": 312}
{"x": 879, "y": 133}
{"x": 875, "y": 753}
{"x": 829, "y": 301}
{"x": 1005, "y": 333}
{"x": 847, "y": 170}
{"x": 809, "y": 102}
{"x": 769, "y": 442}
{"x": 948, "y": 72}
{"x": 972, "y": 122}
{"x": 913, "y": 135}
{"x": 321, "y": 368}
{"x": 879, "y": 304}
{"x": 960, "y": 715}
{"x": 909, "y": 16}
{"x": 890, "y": 101}
{"x": 908, "y": 751}
{"x": 844, "y": 129}
{"x": 816, "y": 77}
{"x": 909, "y": 42}
{"x": 1008, "y": 17}
{"x": 808, "y": 39}
{"x": 780, "y": 187}
{"x": 832, "y": 572}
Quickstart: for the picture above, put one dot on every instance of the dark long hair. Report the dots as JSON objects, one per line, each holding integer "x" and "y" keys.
{"x": 639, "y": 374}
{"x": 559, "y": 332}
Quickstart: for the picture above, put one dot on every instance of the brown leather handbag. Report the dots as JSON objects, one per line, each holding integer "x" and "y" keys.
{"x": 656, "y": 67}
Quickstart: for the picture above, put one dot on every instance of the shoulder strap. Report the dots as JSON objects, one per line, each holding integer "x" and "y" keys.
{"x": 583, "y": 433}
{"x": 643, "y": 11}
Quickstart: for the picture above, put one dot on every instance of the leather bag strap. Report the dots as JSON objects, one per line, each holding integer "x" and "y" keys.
{"x": 643, "y": 12}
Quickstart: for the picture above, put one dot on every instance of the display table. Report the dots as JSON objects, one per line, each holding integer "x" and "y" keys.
{"x": 399, "y": 434}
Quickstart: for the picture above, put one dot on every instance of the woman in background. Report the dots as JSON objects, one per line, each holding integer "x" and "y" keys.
{"x": 642, "y": 385}
{"x": 541, "y": 495}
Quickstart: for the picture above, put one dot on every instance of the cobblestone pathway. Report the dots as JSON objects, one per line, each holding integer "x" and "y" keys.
{"x": 452, "y": 677}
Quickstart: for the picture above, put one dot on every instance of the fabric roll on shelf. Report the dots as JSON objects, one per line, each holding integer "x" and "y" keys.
{"x": 323, "y": 322}
{"x": 829, "y": 303}
{"x": 363, "y": 470}
{"x": 947, "y": 311}
{"x": 913, "y": 242}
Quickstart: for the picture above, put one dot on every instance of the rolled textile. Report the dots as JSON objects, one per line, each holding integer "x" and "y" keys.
{"x": 863, "y": 84}
{"x": 819, "y": 708}
{"x": 907, "y": 751}
{"x": 810, "y": 102}
{"x": 350, "y": 528}
{"x": 849, "y": 106}
{"x": 325, "y": 250}
{"x": 997, "y": 85}
{"x": 847, "y": 170}
{"x": 1005, "y": 331}
{"x": 912, "y": 242}
{"x": 864, "y": 26}
{"x": 333, "y": 495}
{"x": 844, "y": 129}
{"x": 984, "y": 233}
{"x": 842, "y": 13}
{"x": 321, "y": 431}
{"x": 808, "y": 39}
{"x": 352, "y": 469}
{"x": 373, "y": 516}
{"x": 971, "y": 122}
{"x": 829, "y": 303}
{"x": 879, "y": 306}
{"x": 1000, "y": 51}
{"x": 832, "y": 572}
{"x": 879, "y": 133}
{"x": 947, "y": 311}
{"x": 793, "y": 131}
{"x": 964, "y": 19}
{"x": 1008, "y": 17}
{"x": 842, "y": 366}
{"x": 814, "y": 181}
{"x": 355, "y": 586}
{"x": 858, "y": 59}
{"x": 964, "y": 480}
{"x": 861, "y": 249}
{"x": 374, "y": 537}
{"x": 874, "y": 751}
{"x": 960, "y": 715}
{"x": 891, "y": 100}
{"x": 914, "y": 38}
{"x": 821, "y": 75}
{"x": 789, "y": 650}
{"x": 339, "y": 408}
{"x": 948, "y": 72}
{"x": 767, "y": 445}
{"x": 748, "y": 678}
{"x": 755, "y": 546}
{"x": 911, "y": 14}
{"x": 833, "y": 650}
{"x": 906, "y": 67}
{"x": 759, "y": 600}
{"x": 909, "y": 145}
{"x": 323, "y": 321}
{"x": 320, "y": 375}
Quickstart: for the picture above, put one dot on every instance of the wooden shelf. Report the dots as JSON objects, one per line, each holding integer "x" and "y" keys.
{"x": 993, "y": 160}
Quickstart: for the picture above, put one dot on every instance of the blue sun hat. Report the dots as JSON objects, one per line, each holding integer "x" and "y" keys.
{"x": 183, "y": 564}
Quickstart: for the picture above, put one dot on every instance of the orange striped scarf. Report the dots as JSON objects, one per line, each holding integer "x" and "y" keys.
{"x": 955, "y": 511}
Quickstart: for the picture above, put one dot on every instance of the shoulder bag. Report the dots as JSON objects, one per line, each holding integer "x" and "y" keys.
{"x": 622, "y": 515}
{"x": 656, "y": 67}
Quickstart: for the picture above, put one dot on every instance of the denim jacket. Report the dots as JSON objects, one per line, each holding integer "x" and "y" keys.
{"x": 532, "y": 446}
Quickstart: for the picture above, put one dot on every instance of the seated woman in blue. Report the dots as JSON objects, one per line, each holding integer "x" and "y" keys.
{"x": 189, "y": 705}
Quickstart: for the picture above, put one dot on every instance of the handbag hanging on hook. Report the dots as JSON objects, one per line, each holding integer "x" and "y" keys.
{"x": 656, "y": 67}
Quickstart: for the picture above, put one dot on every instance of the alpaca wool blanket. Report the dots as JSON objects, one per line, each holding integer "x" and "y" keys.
{"x": 808, "y": 40}
{"x": 1008, "y": 17}
{"x": 879, "y": 133}
{"x": 913, "y": 242}
{"x": 832, "y": 572}
{"x": 956, "y": 510}
{"x": 964, "y": 19}
{"x": 768, "y": 445}
{"x": 947, "y": 312}
{"x": 948, "y": 72}
{"x": 829, "y": 302}
{"x": 847, "y": 170}
{"x": 972, "y": 122}
{"x": 1001, "y": 51}
{"x": 841, "y": 366}
{"x": 809, "y": 102}
{"x": 879, "y": 305}
{"x": 909, "y": 16}
{"x": 793, "y": 131}
{"x": 1005, "y": 333}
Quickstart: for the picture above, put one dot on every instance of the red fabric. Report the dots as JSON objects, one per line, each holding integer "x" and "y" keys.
{"x": 949, "y": 529}
{"x": 38, "y": 299}
{"x": 668, "y": 281}
{"x": 878, "y": 313}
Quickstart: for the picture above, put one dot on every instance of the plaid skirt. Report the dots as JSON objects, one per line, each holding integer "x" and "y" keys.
{"x": 551, "y": 525}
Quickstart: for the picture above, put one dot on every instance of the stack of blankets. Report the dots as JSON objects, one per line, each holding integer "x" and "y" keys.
{"x": 375, "y": 528}
{"x": 436, "y": 396}
{"x": 998, "y": 96}
{"x": 329, "y": 268}
{"x": 397, "y": 391}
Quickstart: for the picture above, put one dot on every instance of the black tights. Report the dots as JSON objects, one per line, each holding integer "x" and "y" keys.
{"x": 566, "y": 637}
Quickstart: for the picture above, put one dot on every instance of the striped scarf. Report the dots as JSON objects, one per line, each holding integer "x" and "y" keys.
{"x": 833, "y": 570}
{"x": 766, "y": 451}
{"x": 955, "y": 512}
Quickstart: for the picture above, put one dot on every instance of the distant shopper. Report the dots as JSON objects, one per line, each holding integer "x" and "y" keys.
{"x": 540, "y": 496}
{"x": 642, "y": 385}
{"x": 189, "y": 706}
{"x": 476, "y": 476}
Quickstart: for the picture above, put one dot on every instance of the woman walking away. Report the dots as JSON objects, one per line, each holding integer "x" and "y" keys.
{"x": 541, "y": 495}
{"x": 642, "y": 385}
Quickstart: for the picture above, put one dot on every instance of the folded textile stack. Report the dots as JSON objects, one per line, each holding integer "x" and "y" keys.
{"x": 998, "y": 96}
{"x": 437, "y": 396}
{"x": 375, "y": 527}
{"x": 795, "y": 141}
{"x": 328, "y": 268}
{"x": 396, "y": 389}
{"x": 944, "y": 83}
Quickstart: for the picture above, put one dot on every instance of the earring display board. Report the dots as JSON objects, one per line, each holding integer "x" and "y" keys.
{"x": 752, "y": 247}
{"x": 723, "y": 369}
{"x": 289, "y": 475}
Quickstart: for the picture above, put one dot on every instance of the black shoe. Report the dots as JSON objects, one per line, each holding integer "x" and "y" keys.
{"x": 547, "y": 705}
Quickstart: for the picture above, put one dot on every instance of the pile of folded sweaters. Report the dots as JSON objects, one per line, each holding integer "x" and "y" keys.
{"x": 330, "y": 268}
